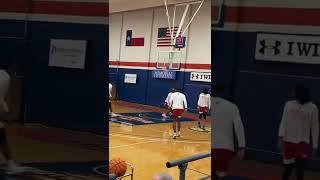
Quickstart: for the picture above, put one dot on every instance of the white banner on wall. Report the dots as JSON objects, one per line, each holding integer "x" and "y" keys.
{"x": 130, "y": 78}
{"x": 67, "y": 53}
{"x": 200, "y": 76}
{"x": 288, "y": 48}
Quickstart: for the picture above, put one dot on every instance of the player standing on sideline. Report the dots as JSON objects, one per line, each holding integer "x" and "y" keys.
{"x": 166, "y": 102}
{"x": 225, "y": 119}
{"x": 178, "y": 104}
{"x": 299, "y": 121}
{"x": 203, "y": 106}
{"x": 12, "y": 167}
{"x": 110, "y": 96}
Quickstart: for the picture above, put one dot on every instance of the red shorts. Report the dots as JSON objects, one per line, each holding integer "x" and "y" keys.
{"x": 177, "y": 112}
{"x": 292, "y": 151}
{"x": 221, "y": 159}
{"x": 203, "y": 110}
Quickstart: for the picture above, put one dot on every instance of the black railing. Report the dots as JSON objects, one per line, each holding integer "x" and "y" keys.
{"x": 183, "y": 163}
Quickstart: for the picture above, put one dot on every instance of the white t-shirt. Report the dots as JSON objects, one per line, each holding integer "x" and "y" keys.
{"x": 225, "y": 119}
{"x": 110, "y": 90}
{"x": 4, "y": 87}
{"x": 204, "y": 100}
{"x": 168, "y": 98}
{"x": 299, "y": 122}
{"x": 178, "y": 101}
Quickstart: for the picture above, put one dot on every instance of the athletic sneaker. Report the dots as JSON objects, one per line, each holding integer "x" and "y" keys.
{"x": 113, "y": 114}
{"x": 179, "y": 134}
{"x": 14, "y": 168}
{"x": 174, "y": 135}
{"x": 164, "y": 115}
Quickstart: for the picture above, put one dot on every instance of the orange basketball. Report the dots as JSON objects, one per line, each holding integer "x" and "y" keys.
{"x": 118, "y": 167}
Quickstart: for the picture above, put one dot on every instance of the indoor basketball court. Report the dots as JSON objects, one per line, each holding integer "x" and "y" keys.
{"x": 156, "y": 46}
{"x": 148, "y": 145}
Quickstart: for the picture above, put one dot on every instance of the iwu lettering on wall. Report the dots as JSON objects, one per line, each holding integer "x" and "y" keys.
{"x": 288, "y": 48}
{"x": 200, "y": 76}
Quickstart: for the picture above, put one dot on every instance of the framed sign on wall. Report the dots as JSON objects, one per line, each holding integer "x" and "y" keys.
{"x": 130, "y": 78}
{"x": 67, "y": 53}
{"x": 164, "y": 74}
{"x": 200, "y": 76}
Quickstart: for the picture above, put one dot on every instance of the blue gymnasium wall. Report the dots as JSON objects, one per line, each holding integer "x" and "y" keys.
{"x": 260, "y": 90}
{"x": 61, "y": 97}
{"x": 223, "y": 52}
{"x": 152, "y": 91}
{"x": 12, "y": 40}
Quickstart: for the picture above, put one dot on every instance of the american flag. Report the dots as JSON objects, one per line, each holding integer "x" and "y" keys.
{"x": 164, "y": 36}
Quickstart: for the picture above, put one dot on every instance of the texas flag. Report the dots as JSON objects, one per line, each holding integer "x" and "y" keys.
{"x": 130, "y": 41}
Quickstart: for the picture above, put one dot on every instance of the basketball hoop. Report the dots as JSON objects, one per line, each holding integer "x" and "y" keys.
{"x": 179, "y": 34}
{"x": 169, "y": 60}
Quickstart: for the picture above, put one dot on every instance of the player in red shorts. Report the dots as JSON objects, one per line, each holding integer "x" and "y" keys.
{"x": 225, "y": 121}
{"x": 299, "y": 120}
{"x": 178, "y": 104}
{"x": 203, "y": 106}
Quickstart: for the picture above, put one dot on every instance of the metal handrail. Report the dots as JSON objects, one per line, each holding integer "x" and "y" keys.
{"x": 187, "y": 159}
{"x": 183, "y": 163}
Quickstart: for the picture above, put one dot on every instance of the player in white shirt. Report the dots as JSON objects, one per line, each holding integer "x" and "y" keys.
{"x": 299, "y": 121}
{"x": 225, "y": 121}
{"x": 178, "y": 104}
{"x": 166, "y": 103}
{"x": 12, "y": 167}
{"x": 110, "y": 106}
{"x": 203, "y": 106}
